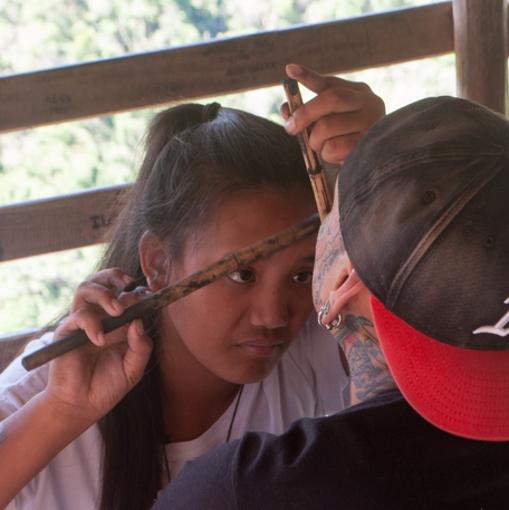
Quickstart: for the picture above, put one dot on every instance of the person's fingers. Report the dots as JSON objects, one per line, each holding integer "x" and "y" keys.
{"x": 335, "y": 125}
{"x": 112, "y": 277}
{"x": 85, "y": 320}
{"x": 102, "y": 290}
{"x": 91, "y": 293}
{"x": 334, "y": 95}
{"x": 317, "y": 82}
{"x": 312, "y": 80}
{"x": 89, "y": 319}
{"x": 130, "y": 298}
{"x": 333, "y": 100}
{"x": 137, "y": 353}
{"x": 336, "y": 150}
{"x": 284, "y": 110}
{"x": 127, "y": 299}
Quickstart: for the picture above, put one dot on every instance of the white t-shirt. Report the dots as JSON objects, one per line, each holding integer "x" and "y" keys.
{"x": 308, "y": 381}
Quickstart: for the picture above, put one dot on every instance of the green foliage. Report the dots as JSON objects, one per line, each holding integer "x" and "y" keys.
{"x": 69, "y": 157}
{"x": 36, "y": 290}
{"x": 206, "y": 17}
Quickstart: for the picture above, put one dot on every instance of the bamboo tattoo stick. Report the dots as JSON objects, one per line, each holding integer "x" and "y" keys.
{"x": 313, "y": 166}
{"x": 172, "y": 293}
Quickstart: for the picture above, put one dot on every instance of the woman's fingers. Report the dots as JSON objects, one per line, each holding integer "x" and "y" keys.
{"x": 89, "y": 319}
{"x": 102, "y": 289}
{"x": 85, "y": 319}
{"x": 91, "y": 293}
{"x": 139, "y": 347}
{"x": 130, "y": 298}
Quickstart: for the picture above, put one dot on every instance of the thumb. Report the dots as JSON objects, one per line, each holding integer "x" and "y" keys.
{"x": 139, "y": 347}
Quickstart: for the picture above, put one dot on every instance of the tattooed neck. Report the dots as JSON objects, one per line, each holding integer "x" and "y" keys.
{"x": 369, "y": 374}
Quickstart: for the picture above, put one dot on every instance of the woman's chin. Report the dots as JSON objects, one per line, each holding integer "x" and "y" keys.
{"x": 256, "y": 367}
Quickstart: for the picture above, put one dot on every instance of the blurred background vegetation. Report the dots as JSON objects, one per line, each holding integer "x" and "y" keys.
{"x": 52, "y": 160}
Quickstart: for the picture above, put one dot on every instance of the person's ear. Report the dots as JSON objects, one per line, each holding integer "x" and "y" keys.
{"x": 347, "y": 287}
{"x": 153, "y": 260}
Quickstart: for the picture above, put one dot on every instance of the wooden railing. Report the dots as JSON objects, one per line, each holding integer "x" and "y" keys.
{"x": 223, "y": 66}
{"x": 475, "y": 29}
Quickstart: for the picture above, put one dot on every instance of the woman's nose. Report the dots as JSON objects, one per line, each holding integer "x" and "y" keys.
{"x": 270, "y": 308}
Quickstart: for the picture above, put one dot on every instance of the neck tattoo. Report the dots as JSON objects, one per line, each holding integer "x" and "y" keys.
{"x": 369, "y": 373}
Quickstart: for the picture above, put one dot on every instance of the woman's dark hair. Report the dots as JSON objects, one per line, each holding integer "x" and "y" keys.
{"x": 195, "y": 156}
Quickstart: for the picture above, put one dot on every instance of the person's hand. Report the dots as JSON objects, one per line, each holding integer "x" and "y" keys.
{"x": 339, "y": 115}
{"x": 86, "y": 383}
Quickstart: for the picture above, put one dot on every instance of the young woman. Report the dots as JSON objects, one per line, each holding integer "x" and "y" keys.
{"x": 108, "y": 425}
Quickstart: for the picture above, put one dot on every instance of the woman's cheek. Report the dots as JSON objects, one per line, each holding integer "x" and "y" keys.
{"x": 300, "y": 306}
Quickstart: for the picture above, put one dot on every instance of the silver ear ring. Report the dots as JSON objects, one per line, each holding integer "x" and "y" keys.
{"x": 323, "y": 311}
{"x": 334, "y": 323}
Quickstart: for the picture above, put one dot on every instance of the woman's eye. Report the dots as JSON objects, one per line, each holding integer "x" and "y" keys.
{"x": 242, "y": 276}
{"x": 303, "y": 277}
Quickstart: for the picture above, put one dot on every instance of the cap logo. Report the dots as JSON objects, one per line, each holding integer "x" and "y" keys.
{"x": 499, "y": 328}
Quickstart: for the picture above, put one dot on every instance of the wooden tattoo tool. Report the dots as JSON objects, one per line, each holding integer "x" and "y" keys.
{"x": 313, "y": 166}
{"x": 172, "y": 293}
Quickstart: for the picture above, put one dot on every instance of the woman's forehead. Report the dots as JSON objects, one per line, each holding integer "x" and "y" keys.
{"x": 248, "y": 217}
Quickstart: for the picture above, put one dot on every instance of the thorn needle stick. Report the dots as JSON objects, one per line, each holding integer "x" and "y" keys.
{"x": 172, "y": 293}
{"x": 313, "y": 166}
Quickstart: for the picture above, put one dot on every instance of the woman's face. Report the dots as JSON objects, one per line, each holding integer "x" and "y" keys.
{"x": 238, "y": 328}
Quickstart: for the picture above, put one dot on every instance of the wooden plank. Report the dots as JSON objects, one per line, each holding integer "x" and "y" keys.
{"x": 59, "y": 223}
{"x": 223, "y": 66}
{"x": 480, "y": 39}
{"x": 12, "y": 344}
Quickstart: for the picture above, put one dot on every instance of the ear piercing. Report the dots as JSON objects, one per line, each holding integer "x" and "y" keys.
{"x": 334, "y": 323}
{"x": 323, "y": 310}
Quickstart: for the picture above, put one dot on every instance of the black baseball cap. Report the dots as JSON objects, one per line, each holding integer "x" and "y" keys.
{"x": 424, "y": 214}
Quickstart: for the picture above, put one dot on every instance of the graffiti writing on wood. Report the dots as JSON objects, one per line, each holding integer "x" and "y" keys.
{"x": 99, "y": 221}
{"x": 59, "y": 103}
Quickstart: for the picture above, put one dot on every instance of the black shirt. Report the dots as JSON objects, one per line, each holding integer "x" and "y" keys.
{"x": 376, "y": 455}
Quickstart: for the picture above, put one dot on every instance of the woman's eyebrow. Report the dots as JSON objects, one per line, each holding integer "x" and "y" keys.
{"x": 308, "y": 259}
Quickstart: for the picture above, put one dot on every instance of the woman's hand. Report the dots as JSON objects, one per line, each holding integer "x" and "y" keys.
{"x": 339, "y": 115}
{"x": 86, "y": 383}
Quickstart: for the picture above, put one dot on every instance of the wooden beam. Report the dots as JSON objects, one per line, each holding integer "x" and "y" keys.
{"x": 59, "y": 223}
{"x": 480, "y": 40}
{"x": 221, "y": 67}
{"x": 12, "y": 344}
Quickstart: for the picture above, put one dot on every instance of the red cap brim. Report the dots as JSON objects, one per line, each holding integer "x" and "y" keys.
{"x": 462, "y": 391}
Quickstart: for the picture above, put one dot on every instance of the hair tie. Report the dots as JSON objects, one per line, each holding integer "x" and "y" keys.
{"x": 210, "y": 112}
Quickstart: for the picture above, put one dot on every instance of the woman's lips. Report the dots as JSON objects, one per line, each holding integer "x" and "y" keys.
{"x": 262, "y": 348}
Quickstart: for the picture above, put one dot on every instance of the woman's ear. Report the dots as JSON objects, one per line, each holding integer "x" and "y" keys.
{"x": 347, "y": 287}
{"x": 153, "y": 260}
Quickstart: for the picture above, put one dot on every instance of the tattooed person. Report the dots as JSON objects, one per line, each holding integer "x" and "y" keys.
{"x": 412, "y": 278}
